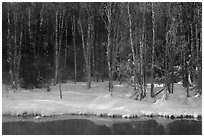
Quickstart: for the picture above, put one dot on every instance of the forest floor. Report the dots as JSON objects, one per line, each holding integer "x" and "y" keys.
{"x": 97, "y": 101}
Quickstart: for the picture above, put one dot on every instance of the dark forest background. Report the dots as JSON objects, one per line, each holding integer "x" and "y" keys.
{"x": 137, "y": 43}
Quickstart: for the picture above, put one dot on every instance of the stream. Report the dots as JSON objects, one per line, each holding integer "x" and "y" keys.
{"x": 91, "y": 125}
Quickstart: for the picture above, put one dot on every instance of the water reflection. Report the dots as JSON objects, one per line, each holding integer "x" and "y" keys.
{"x": 185, "y": 127}
{"x": 150, "y": 127}
{"x": 61, "y": 127}
{"x": 89, "y": 127}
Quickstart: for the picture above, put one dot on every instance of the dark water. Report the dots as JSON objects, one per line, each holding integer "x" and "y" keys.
{"x": 89, "y": 127}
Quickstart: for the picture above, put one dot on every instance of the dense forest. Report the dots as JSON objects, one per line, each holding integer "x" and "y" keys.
{"x": 134, "y": 43}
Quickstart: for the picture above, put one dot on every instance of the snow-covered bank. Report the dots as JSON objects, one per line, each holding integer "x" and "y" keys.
{"x": 97, "y": 101}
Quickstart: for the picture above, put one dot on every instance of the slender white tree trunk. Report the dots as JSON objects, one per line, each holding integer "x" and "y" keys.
{"x": 86, "y": 51}
{"x": 153, "y": 46}
{"x": 74, "y": 43}
{"x": 132, "y": 47}
{"x": 56, "y": 47}
{"x": 9, "y": 51}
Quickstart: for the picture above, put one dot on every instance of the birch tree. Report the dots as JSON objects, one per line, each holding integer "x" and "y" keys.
{"x": 153, "y": 52}
{"x": 142, "y": 50}
{"x": 108, "y": 24}
{"x": 9, "y": 51}
{"x": 59, "y": 30}
{"x": 15, "y": 37}
{"x": 87, "y": 41}
{"x": 56, "y": 46}
{"x": 132, "y": 48}
{"x": 74, "y": 43}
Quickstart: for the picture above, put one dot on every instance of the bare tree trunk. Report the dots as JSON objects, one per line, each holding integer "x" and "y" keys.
{"x": 29, "y": 24}
{"x": 9, "y": 51}
{"x": 89, "y": 70}
{"x": 115, "y": 52}
{"x": 197, "y": 44}
{"x": 187, "y": 91}
{"x": 166, "y": 70}
{"x": 96, "y": 63}
{"x": 59, "y": 69}
{"x": 60, "y": 83}
{"x": 15, "y": 57}
{"x": 109, "y": 14}
{"x": 186, "y": 73}
{"x": 82, "y": 38}
{"x": 172, "y": 59}
{"x": 15, "y": 52}
{"x": 183, "y": 60}
{"x": 33, "y": 45}
{"x": 60, "y": 88}
{"x": 200, "y": 52}
{"x": 144, "y": 65}
{"x": 36, "y": 51}
{"x": 74, "y": 42}
{"x": 65, "y": 53}
{"x": 167, "y": 59}
{"x": 132, "y": 48}
{"x": 19, "y": 49}
{"x": 172, "y": 55}
{"x": 84, "y": 47}
{"x": 186, "y": 69}
{"x": 86, "y": 51}
{"x": 56, "y": 47}
{"x": 109, "y": 62}
{"x": 143, "y": 90}
{"x": 93, "y": 61}
{"x": 192, "y": 59}
{"x": 153, "y": 44}
{"x": 41, "y": 16}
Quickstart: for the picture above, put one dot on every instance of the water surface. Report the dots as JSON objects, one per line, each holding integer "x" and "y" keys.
{"x": 81, "y": 125}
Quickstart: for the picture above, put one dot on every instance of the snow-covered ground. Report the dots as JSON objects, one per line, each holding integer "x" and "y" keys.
{"x": 97, "y": 101}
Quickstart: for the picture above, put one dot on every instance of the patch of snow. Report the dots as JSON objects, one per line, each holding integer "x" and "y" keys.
{"x": 119, "y": 85}
{"x": 37, "y": 117}
{"x": 155, "y": 85}
{"x": 78, "y": 100}
{"x": 180, "y": 82}
{"x": 126, "y": 116}
{"x": 24, "y": 91}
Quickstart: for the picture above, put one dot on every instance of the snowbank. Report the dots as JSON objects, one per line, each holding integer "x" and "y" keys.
{"x": 97, "y": 101}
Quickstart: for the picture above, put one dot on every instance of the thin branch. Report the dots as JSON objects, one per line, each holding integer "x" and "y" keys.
{"x": 104, "y": 21}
